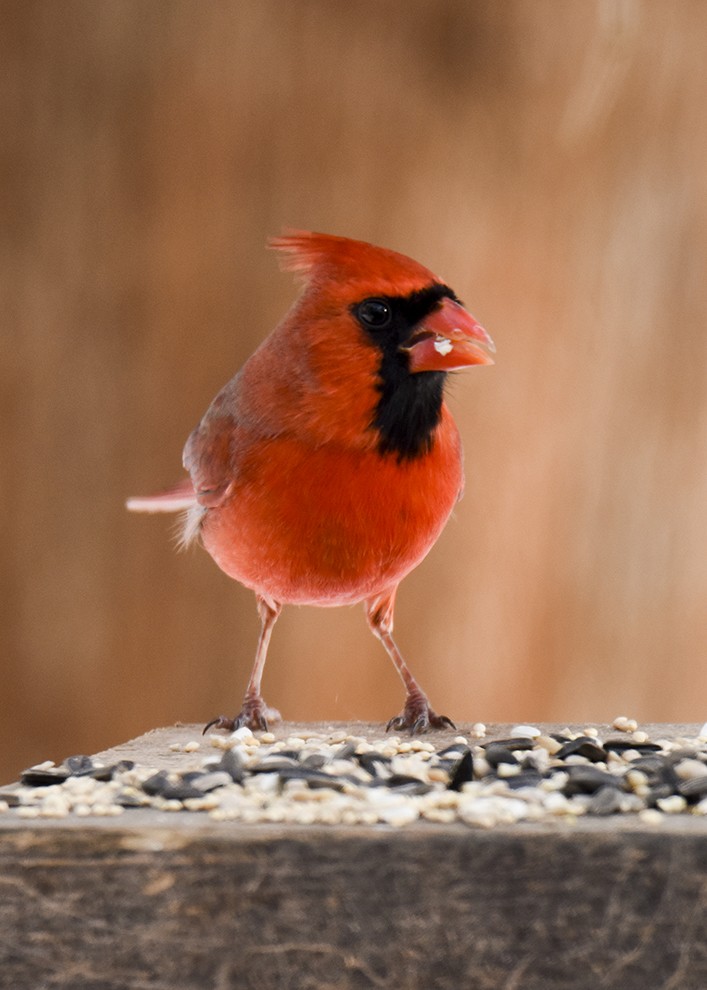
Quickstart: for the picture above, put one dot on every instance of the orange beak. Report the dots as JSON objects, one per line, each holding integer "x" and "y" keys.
{"x": 448, "y": 339}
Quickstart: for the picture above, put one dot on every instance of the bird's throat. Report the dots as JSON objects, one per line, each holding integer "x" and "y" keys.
{"x": 408, "y": 410}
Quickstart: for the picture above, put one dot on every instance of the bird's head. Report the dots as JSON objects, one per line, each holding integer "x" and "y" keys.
{"x": 403, "y": 308}
{"x": 379, "y": 332}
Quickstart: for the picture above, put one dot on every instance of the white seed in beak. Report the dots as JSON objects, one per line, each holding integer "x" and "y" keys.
{"x": 442, "y": 345}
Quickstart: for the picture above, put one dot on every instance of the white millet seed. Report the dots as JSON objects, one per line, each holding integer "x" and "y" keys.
{"x": 508, "y": 769}
{"x": 624, "y": 724}
{"x": 548, "y": 744}
{"x": 526, "y": 731}
{"x": 220, "y": 742}
{"x": 672, "y": 805}
{"x": 651, "y": 816}
{"x": 691, "y": 769}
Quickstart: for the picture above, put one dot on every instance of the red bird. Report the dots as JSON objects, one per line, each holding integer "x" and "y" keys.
{"x": 325, "y": 470}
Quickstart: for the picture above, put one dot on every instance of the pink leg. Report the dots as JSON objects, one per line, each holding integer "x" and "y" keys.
{"x": 417, "y": 716}
{"x": 254, "y": 709}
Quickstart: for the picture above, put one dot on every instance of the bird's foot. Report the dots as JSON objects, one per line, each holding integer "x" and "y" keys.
{"x": 417, "y": 716}
{"x": 253, "y": 715}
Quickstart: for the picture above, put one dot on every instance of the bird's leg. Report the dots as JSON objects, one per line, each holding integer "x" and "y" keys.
{"x": 254, "y": 710}
{"x": 417, "y": 716}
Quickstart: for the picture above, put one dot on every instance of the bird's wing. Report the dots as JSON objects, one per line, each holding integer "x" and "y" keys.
{"x": 209, "y": 459}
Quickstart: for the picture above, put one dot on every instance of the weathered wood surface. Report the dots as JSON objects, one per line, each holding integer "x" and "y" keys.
{"x": 154, "y": 900}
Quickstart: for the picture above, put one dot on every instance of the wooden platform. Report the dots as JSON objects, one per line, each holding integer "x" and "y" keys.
{"x": 180, "y": 902}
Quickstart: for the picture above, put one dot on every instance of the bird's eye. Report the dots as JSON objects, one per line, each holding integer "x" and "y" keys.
{"x": 374, "y": 313}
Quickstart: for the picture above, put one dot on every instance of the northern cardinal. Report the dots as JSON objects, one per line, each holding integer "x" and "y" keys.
{"x": 324, "y": 471}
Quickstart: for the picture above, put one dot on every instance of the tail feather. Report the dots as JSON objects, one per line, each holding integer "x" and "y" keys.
{"x": 179, "y": 496}
{"x": 189, "y": 526}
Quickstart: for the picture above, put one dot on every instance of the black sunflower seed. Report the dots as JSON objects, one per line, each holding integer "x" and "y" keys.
{"x": 207, "y": 782}
{"x": 403, "y": 783}
{"x": 621, "y": 745}
{"x": 44, "y": 778}
{"x": 156, "y": 784}
{"x": 180, "y": 791}
{"x": 459, "y": 764}
{"x": 290, "y": 754}
{"x": 526, "y": 778}
{"x": 514, "y": 743}
{"x": 694, "y": 789}
{"x": 107, "y": 773}
{"x": 587, "y": 779}
{"x": 129, "y": 800}
{"x": 373, "y": 763}
{"x": 658, "y": 770}
{"x": 582, "y": 746}
{"x": 275, "y": 765}
{"x": 232, "y": 764}
{"x": 346, "y": 751}
{"x": 79, "y": 766}
{"x": 316, "y": 779}
{"x": 315, "y": 761}
{"x": 497, "y": 753}
{"x": 605, "y": 801}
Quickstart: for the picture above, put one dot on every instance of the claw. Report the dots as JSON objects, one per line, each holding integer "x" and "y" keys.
{"x": 251, "y": 715}
{"x": 418, "y": 717}
{"x": 220, "y": 722}
{"x": 256, "y": 720}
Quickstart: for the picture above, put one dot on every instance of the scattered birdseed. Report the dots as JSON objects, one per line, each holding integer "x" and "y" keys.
{"x": 340, "y": 778}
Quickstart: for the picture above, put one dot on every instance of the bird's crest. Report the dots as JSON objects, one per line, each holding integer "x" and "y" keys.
{"x": 325, "y": 257}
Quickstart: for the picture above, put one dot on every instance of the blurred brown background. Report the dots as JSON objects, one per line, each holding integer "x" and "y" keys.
{"x": 549, "y": 159}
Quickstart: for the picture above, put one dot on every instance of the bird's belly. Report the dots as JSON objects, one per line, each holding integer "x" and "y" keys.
{"x": 331, "y": 527}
